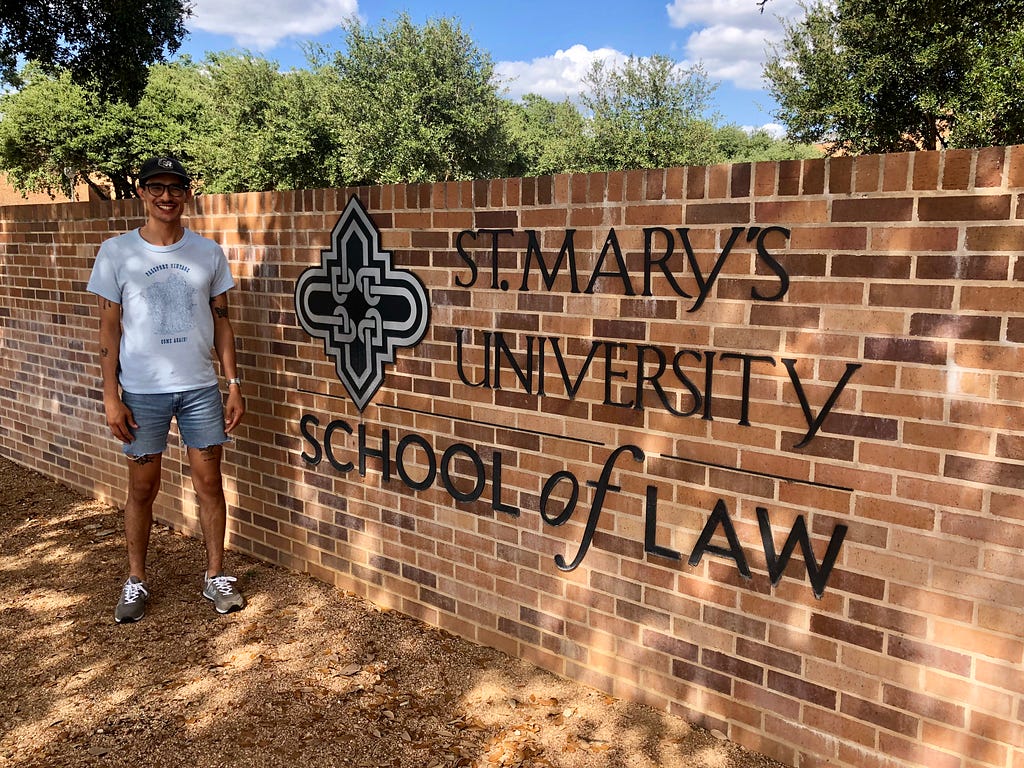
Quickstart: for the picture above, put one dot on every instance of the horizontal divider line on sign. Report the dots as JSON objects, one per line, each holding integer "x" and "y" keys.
{"x": 463, "y": 419}
{"x": 754, "y": 472}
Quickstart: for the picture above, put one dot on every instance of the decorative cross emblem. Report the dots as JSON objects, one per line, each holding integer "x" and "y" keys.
{"x": 361, "y": 306}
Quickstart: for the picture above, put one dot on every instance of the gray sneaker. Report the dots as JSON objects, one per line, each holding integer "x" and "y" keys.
{"x": 222, "y": 591}
{"x": 132, "y": 605}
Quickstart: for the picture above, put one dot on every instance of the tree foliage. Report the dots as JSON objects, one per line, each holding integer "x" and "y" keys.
{"x": 546, "y": 136}
{"x": 648, "y": 113}
{"x": 882, "y": 76}
{"x": 418, "y": 104}
{"x": 268, "y": 129}
{"x": 106, "y": 43}
{"x": 53, "y": 129}
{"x": 401, "y": 104}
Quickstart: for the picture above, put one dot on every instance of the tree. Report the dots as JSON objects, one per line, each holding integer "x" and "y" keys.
{"x": 418, "y": 104}
{"x": 883, "y": 76}
{"x": 56, "y": 133}
{"x": 548, "y": 137}
{"x": 738, "y": 145}
{"x": 648, "y": 113}
{"x": 270, "y": 130}
{"x": 107, "y": 44}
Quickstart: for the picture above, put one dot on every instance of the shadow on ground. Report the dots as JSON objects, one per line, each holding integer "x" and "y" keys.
{"x": 306, "y": 675}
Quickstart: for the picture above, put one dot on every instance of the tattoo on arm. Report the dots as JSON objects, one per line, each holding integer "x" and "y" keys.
{"x": 104, "y": 352}
{"x": 221, "y": 311}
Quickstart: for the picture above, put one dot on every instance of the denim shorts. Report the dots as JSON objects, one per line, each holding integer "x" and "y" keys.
{"x": 200, "y": 415}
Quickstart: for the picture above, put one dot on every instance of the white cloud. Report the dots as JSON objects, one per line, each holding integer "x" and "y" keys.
{"x": 555, "y": 77}
{"x": 733, "y": 13}
{"x": 774, "y": 130}
{"x": 264, "y": 24}
{"x": 731, "y": 38}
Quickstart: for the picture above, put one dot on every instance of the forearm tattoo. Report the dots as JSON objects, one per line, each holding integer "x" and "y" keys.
{"x": 218, "y": 309}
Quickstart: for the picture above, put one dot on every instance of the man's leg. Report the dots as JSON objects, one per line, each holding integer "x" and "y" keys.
{"x": 143, "y": 486}
{"x": 218, "y": 587}
{"x": 209, "y": 486}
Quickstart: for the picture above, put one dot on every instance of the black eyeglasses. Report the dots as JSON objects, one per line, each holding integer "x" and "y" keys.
{"x": 156, "y": 189}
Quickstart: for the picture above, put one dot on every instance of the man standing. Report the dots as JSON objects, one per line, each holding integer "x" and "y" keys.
{"x": 162, "y": 295}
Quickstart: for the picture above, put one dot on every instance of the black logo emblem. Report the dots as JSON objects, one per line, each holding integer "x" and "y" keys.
{"x": 361, "y": 306}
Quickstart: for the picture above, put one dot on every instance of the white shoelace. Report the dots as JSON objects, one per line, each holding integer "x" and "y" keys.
{"x": 222, "y": 584}
{"x": 133, "y": 590}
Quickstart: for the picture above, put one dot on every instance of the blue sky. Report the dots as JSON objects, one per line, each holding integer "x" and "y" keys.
{"x": 543, "y": 47}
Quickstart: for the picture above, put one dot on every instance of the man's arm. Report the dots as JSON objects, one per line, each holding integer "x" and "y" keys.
{"x": 118, "y": 415}
{"x": 224, "y": 344}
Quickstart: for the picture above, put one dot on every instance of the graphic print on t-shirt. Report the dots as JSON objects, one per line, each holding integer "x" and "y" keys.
{"x": 171, "y": 306}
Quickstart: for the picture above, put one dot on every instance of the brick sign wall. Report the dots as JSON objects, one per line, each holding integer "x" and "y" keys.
{"x": 745, "y": 442}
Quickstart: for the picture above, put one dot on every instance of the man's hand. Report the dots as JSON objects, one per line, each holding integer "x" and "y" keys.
{"x": 119, "y": 419}
{"x": 234, "y": 409}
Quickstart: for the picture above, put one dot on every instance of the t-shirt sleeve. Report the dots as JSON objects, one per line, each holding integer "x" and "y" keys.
{"x": 103, "y": 280}
{"x": 222, "y": 279}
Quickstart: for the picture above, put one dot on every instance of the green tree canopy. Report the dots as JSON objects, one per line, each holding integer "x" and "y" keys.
{"x": 648, "y": 113}
{"x": 402, "y": 103}
{"x": 419, "y": 104}
{"x": 269, "y": 129}
{"x": 548, "y": 136}
{"x": 106, "y": 43}
{"x": 874, "y": 76}
{"x": 56, "y": 132}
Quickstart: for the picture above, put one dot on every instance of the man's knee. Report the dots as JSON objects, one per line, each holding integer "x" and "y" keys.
{"x": 205, "y": 469}
{"x": 144, "y": 477}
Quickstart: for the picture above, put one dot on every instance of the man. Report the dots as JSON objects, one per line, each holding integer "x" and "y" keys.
{"x": 162, "y": 296}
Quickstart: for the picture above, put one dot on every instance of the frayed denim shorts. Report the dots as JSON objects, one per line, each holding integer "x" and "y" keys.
{"x": 200, "y": 415}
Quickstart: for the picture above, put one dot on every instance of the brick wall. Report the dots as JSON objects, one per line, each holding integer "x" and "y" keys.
{"x": 834, "y": 366}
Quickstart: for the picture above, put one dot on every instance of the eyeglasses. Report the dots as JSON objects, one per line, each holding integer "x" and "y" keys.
{"x": 156, "y": 189}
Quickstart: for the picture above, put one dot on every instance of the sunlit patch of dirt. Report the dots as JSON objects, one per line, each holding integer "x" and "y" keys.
{"x": 306, "y": 675}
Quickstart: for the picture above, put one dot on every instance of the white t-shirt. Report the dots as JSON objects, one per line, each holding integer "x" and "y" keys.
{"x": 166, "y": 321}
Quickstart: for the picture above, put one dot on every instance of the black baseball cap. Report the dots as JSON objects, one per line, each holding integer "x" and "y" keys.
{"x": 156, "y": 166}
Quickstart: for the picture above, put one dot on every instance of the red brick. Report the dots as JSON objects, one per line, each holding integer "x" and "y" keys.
{"x": 789, "y": 177}
{"x": 979, "y": 327}
{"x": 840, "y": 175}
{"x": 867, "y": 173}
{"x": 962, "y": 267}
{"x": 989, "y": 472}
{"x": 956, "y": 168}
{"x": 739, "y": 183}
{"x": 879, "y": 267}
{"x": 964, "y": 208}
{"x": 830, "y": 238}
{"x": 784, "y": 211}
{"x": 765, "y": 178}
{"x": 873, "y": 209}
{"x": 695, "y": 183}
{"x": 926, "y": 170}
{"x": 890, "y": 238}
{"x": 990, "y": 163}
{"x": 923, "y": 296}
{"x": 813, "y": 177}
{"x": 895, "y": 172}
{"x": 994, "y": 239}
{"x": 717, "y": 213}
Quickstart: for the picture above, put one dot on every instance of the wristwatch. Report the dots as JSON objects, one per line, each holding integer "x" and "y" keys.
{"x": 235, "y": 380}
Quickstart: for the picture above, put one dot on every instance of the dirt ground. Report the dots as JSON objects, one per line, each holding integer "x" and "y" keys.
{"x": 306, "y": 675}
